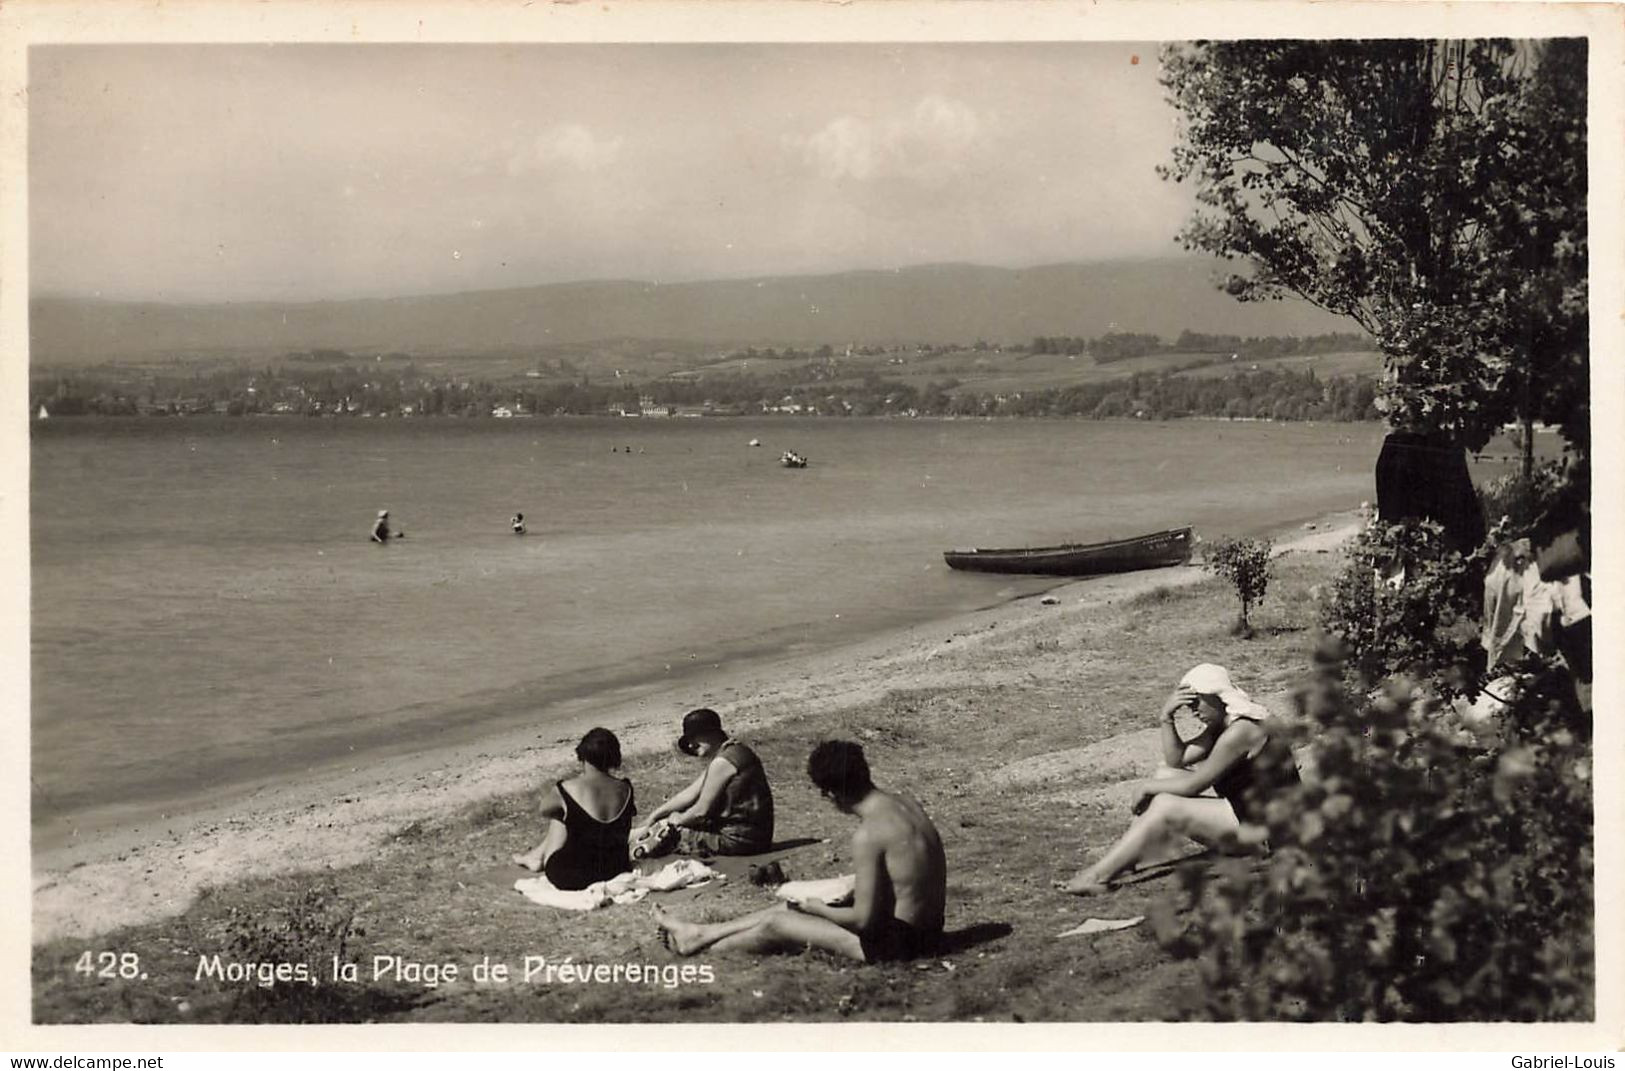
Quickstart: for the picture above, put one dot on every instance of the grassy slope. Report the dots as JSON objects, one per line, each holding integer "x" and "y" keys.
{"x": 1323, "y": 364}
{"x": 991, "y": 372}
{"x": 1051, "y": 682}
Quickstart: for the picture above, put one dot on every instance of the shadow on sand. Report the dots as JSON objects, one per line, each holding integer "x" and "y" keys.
{"x": 968, "y": 937}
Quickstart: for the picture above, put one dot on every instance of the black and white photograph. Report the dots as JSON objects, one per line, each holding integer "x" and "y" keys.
{"x": 605, "y": 515}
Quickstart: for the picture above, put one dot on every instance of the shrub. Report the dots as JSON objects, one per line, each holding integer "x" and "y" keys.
{"x": 1246, "y": 564}
{"x": 1518, "y": 502}
{"x": 1406, "y": 604}
{"x": 312, "y": 928}
{"x": 1425, "y": 875}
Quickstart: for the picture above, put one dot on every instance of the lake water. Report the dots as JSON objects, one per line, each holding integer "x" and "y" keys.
{"x": 207, "y": 610}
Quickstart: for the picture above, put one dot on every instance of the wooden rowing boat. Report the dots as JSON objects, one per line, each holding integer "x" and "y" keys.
{"x": 1152, "y": 551}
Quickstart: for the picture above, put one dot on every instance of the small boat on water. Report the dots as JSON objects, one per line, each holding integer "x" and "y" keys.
{"x": 1151, "y": 551}
{"x": 792, "y": 460}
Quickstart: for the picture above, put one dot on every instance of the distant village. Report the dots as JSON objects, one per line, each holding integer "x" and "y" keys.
{"x": 1238, "y": 383}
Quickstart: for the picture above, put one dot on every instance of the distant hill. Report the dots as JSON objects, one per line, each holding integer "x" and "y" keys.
{"x": 934, "y": 304}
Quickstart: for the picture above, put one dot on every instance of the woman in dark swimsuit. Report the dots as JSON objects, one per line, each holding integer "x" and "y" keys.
{"x": 589, "y": 817}
{"x": 1234, "y": 755}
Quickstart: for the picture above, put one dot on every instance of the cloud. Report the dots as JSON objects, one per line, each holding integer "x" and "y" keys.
{"x": 846, "y": 148}
{"x": 569, "y": 144}
{"x": 935, "y": 136}
{"x": 944, "y": 125}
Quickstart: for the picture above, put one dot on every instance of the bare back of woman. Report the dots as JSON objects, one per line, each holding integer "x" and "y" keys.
{"x": 602, "y": 796}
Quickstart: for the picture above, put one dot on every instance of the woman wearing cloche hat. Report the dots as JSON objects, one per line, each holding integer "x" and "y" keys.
{"x": 726, "y": 810}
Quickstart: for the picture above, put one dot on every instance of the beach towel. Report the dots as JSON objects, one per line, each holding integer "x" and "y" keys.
{"x": 826, "y": 890}
{"x": 1523, "y": 611}
{"x": 1101, "y": 926}
{"x": 680, "y": 874}
{"x": 539, "y": 890}
{"x": 627, "y": 888}
{"x": 1502, "y": 635}
{"x": 1540, "y": 610}
{"x": 1568, "y": 595}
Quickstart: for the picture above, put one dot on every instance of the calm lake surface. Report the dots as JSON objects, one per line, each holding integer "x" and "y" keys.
{"x": 207, "y": 610}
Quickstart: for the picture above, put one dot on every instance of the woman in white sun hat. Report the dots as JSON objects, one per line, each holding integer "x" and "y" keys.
{"x": 1234, "y": 755}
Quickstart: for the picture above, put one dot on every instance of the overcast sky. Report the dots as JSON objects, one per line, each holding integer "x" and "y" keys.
{"x": 236, "y": 173}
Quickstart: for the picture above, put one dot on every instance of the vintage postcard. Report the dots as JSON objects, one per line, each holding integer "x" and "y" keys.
{"x": 1004, "y": 525}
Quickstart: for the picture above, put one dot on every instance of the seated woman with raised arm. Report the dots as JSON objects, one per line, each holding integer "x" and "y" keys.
{"x": 588, "y": 819}
{"x": 1234, "y": 755}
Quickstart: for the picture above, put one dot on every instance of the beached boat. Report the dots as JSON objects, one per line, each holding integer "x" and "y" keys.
{"x": 1151, "y": 551}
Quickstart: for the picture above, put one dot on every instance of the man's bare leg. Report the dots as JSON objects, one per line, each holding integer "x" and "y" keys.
{"x": 686, "y": 938}
{"x": 552, "y": 841}
{"x": 774, "y": 929}
{"x": 791, "y": 931}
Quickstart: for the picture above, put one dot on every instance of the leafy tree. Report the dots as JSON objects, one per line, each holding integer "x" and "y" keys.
{"x": 1433, "y": 192}
{"x": 1246, "y": 564}
{"x": 1538, "y": 314}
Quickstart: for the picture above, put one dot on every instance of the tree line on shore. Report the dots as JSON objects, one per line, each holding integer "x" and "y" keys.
{"x": 1124, "y": 345}
{"x": 1266, "y": 394}
{"x": 339, "y": 385}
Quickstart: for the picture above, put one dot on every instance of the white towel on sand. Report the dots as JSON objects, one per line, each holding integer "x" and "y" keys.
{"x": 676, "y": 875}
{"x": 627, "y": 888}
{"x": 1101, "y": 926}
{"x": 827, "y": 890}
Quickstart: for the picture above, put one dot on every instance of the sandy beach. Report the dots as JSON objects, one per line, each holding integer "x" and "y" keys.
{"x": 155, "y": 868}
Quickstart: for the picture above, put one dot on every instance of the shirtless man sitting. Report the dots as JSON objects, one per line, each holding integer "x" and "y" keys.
{"x": 902, "y": 881}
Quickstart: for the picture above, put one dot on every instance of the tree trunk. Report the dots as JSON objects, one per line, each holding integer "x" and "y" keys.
{"x": 1526, "y": 411}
